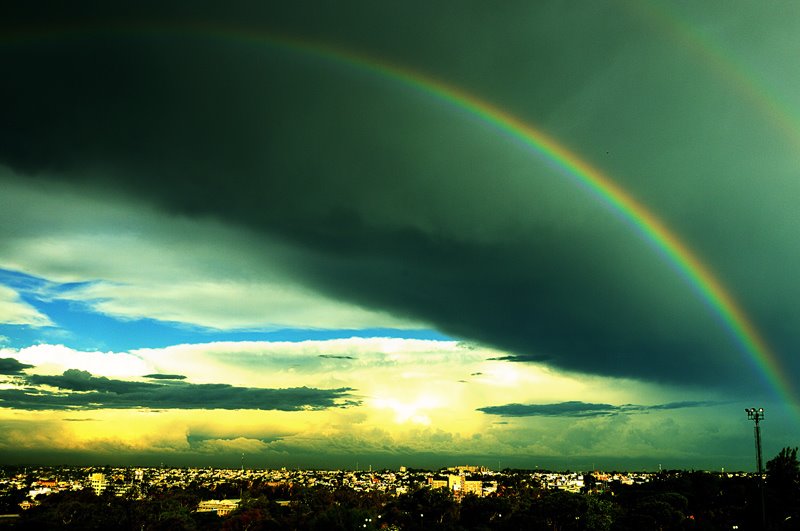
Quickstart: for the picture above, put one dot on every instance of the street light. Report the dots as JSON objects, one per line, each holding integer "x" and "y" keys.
{"x": 757, "y": 415}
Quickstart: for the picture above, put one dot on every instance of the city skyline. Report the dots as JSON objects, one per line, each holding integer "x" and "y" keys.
{"x": 541, "y": 235}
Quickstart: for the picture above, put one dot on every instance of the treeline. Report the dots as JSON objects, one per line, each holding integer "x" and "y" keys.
{"x": 673, "y": 501}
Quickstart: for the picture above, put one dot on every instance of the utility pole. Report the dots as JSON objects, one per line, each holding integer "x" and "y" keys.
{"x": 757, "y": 415}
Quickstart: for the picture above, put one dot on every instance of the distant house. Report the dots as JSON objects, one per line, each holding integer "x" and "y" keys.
{"x": 221, "y": 507}
{"x": 41, "y": 491}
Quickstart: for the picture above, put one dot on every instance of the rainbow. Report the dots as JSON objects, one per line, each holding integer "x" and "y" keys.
{"x": 708, "y": 51}
{"x": 645, "y": 223}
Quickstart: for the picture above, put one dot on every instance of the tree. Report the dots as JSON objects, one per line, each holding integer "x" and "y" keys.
{"x": 783, "y": 470}
{"x": 487, "y": 513}
{"x": 783, "y": 484}
{"x": 77, "y": 510}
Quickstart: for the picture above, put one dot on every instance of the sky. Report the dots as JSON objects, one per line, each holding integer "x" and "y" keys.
{"x": 529, "y": 234}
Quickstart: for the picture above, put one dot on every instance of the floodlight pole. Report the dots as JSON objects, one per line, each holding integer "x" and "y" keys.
{"x": 756, "y": 415}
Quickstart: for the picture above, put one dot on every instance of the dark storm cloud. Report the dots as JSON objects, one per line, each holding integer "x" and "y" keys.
{"x": 165, "y": 376}
{"x": 581, "y": 409}
{"x": 390, "y": 199}
{"x": 522, "y": 358}
{"x": 77, "y": 380}
{"x": 12, "y": 366}
{"x": 85, "y": 391}
{"x": 336, "y": 357}
{"x": 563, "y": 409}
{"x": 680, "y": 405}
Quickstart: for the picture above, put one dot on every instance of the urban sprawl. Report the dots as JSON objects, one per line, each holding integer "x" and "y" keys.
{"x": 460, "y": 481}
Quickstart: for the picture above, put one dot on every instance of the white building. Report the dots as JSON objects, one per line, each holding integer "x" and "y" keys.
{"x": 221, "y": 507}
{"x": 98, "y": 483}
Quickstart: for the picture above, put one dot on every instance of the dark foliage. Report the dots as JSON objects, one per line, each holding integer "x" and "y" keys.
{"x": 783, "y": 490}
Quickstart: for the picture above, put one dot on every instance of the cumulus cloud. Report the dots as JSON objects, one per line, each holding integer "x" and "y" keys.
{"x": 55, "y": 359}
{"x": 228, "y": 445}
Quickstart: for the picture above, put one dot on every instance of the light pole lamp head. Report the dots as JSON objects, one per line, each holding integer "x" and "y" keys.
{"x": 755, "y": 414}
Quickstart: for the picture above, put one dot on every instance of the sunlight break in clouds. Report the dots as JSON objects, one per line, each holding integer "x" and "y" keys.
{"x": 395, "y": 397}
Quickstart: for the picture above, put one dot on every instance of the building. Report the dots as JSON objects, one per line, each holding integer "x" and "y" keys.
{"x": 458, "y": 485}
{"x": 98, "y": 483}
{"x": 221, "y": 507}
{"x": 461, "y": 486}
{"x": 468, "y": 468}
{"x": 438, "y": 483}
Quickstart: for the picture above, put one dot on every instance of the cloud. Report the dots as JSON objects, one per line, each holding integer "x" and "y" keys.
{"x": 129, "y": 261}
{"x": 55, "y": 359}
{"x": 564, "y": 409}
{"x": 340, "y": 437}
{"x": 12, "y": 366}
{"x": 410, "y": 406}
{"x": 380, "y": 200}
{"x": 533, "y": 358}
{"x": 165, "y": 376}
{"x": 91, "y": 392}
{"x": 414, "y": 380}
{"x": 14, "y": 311}
{"x": 248, "y": 361}
{"x": 229, "y": 445}
{"x": 220, "y": 304}
{"x": 676, "y": 405}
{"x": 77, "y": 380}
{"x": 583, "y": 409}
